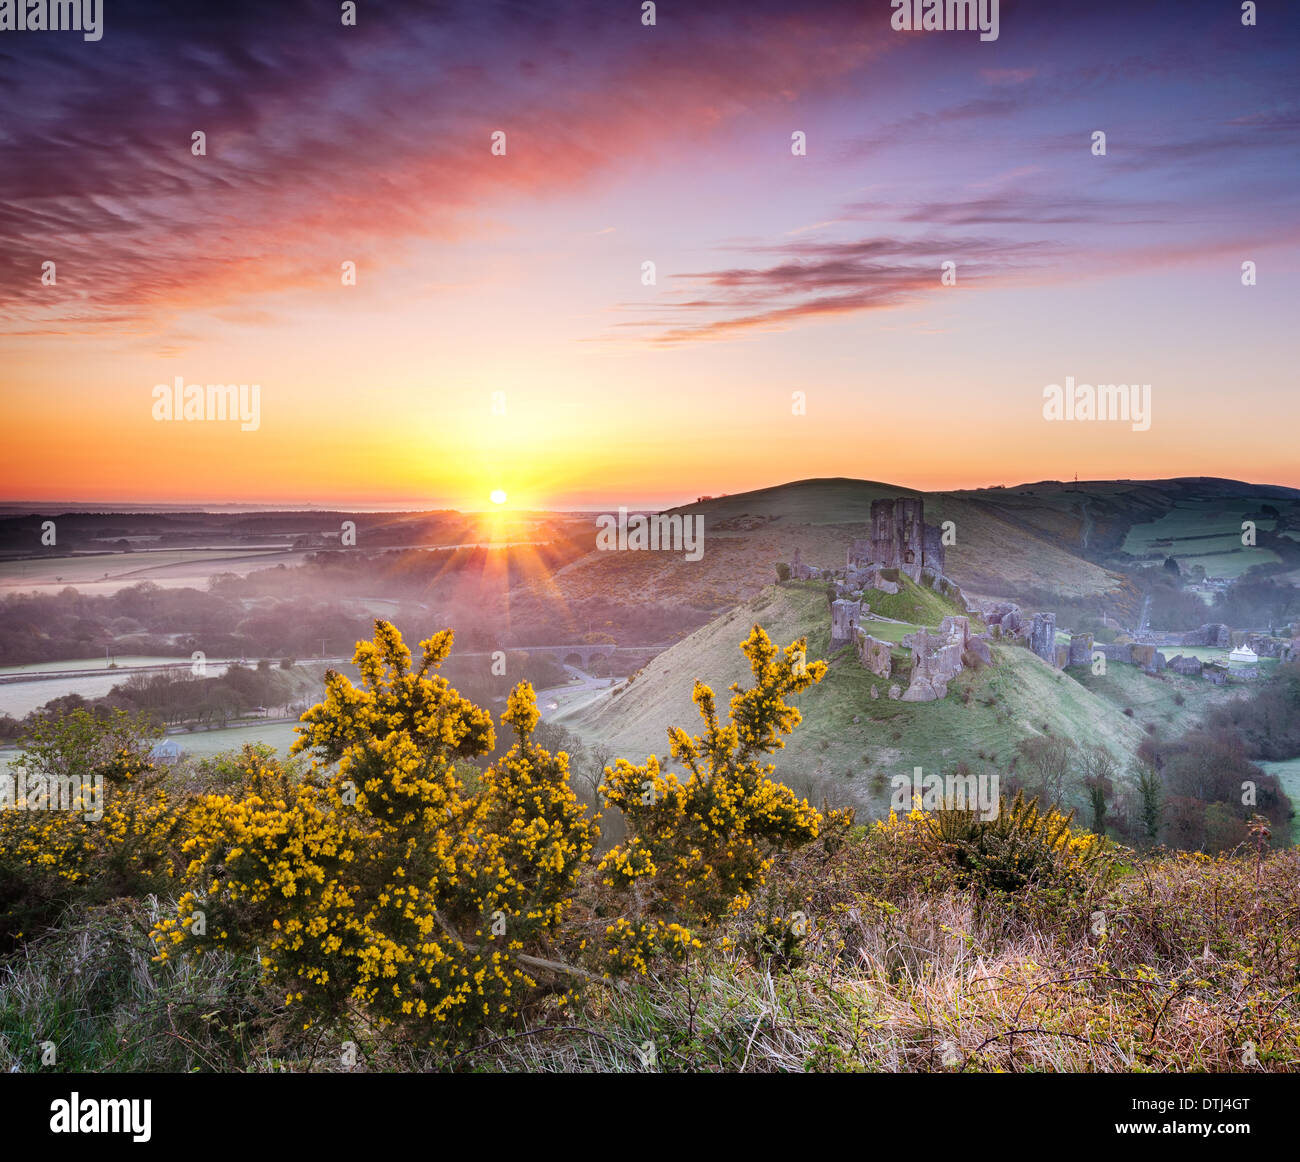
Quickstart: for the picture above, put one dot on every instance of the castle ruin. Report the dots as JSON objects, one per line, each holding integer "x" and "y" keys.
{"x": 844, "y": 622}
{"x": 900, "y": 539}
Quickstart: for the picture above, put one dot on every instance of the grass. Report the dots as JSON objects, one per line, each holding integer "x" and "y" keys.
{"x": 849, "y": 742}
{"x": 912, "y": 603}
{"x": 900, "y": 971}
{"x": 90, "y": 992}
{"x": 1155, "y": 698}
{"x": 1288, "y": 774}
{"x": 1204, "y": 532}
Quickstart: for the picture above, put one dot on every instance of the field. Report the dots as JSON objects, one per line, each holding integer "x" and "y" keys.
{"x": 209, "y": 742}
{"x": 122, "y": 661}
{"x": 1203, "y": 532}
{"x": 21, "y": 698}
{"x": 1288, "y": 774}
{"x": 107, "y": 573}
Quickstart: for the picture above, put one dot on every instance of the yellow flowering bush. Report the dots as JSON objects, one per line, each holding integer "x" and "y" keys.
{"x": 51, "y": 858}
{"x": 1032, "y": 856}
{"x": 632, "y": 948}
{"x": 386, "y": 882}
{"x": 699, "y": 846}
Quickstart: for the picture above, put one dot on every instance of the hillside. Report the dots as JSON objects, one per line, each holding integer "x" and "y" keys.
{"x": 747, "y": 533}
{"x": 850, "y": 744}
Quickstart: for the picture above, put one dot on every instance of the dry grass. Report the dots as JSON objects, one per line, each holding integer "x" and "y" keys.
{"x": 903, "y": 969}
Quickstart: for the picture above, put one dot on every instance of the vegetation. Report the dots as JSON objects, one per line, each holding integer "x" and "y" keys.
{"x": 870, "y": 949}
{"x": 427, "y": 884}
{"x": 394, "y": 883}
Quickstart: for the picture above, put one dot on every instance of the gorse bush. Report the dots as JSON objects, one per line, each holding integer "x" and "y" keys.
{"x": 392, "y": 888}
{"x": 51, "y": 858}
{"x": 1024, "y": 845}
{"x": 703, "y": 843}
{"x": 1024, "y": 860}
{"x": 387, "y": 884}
{"x": 699, "y": 846}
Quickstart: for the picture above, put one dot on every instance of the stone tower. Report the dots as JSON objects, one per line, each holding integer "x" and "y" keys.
{"x": 898, "y": 534}
{"x": 1042, "y": 637}
{"x": 844, "y": 622}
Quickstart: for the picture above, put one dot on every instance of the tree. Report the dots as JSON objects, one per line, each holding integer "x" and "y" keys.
{"x": 1048, "y": 758}
{"x": 1099, "y": 770}
{"x": 1151, "y": 792}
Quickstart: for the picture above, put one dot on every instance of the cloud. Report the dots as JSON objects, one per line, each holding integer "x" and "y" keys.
{"x": 815, "y": 280}
{"x": 327, "y": 143}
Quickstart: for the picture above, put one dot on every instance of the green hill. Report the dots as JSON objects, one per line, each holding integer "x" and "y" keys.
{"x": 849, "y": 744}
{"x": 747, "y": 533}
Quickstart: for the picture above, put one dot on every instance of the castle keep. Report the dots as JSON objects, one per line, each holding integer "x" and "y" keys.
{"x": 900, "y": 539}
{"x": 900, "y": 545}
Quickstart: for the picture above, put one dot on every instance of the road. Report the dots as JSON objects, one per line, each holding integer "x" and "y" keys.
{"x": 557, "y": 700}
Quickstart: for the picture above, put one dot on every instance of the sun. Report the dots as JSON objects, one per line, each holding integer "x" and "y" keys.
{"x": 498, "y": 496}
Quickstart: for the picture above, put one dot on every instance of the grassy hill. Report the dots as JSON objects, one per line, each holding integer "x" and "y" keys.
{"x": 849, "y": 744}
{"x": 1037, "y": 543}
{"x": 746, "y": 534}
{"x": 1197, "y": 520}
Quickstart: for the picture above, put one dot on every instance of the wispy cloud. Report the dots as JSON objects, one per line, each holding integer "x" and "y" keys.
{"x": 327, "y": 143}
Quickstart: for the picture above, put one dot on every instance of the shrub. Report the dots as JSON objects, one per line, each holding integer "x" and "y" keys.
{"x": 388, "y": 883}
{"x": 701, "y": 845}
{"x": 51, "y": 858}
{"x": 398, "y": 887}
{"x": 1025, "y": 859}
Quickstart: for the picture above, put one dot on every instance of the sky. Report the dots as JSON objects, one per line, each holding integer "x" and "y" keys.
{"x": 503, "y": 334}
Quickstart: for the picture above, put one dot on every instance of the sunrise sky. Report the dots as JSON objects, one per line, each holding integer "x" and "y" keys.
{"x": 671, "y": 144}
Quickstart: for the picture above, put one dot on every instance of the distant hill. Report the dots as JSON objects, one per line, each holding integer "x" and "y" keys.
{"x": 1049, "y": 537}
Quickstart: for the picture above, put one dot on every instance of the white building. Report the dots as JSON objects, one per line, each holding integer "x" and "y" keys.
{"x": 1243, "y": 653}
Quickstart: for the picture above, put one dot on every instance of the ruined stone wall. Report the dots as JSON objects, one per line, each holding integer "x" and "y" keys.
{"x": 932, "y": 556}
{"x": 1080, "y": 653}
{"x": 936, "y": 660}
{"x": 884, "y": 534}
{"x": 1042, "y": 637}
{"x": 844, "y": 622}
{"x": 1148, "y": 657}
{"x": 898, "y": 534}
{"x": 874, "y": 654}
{"x": 1213, "y": 633}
